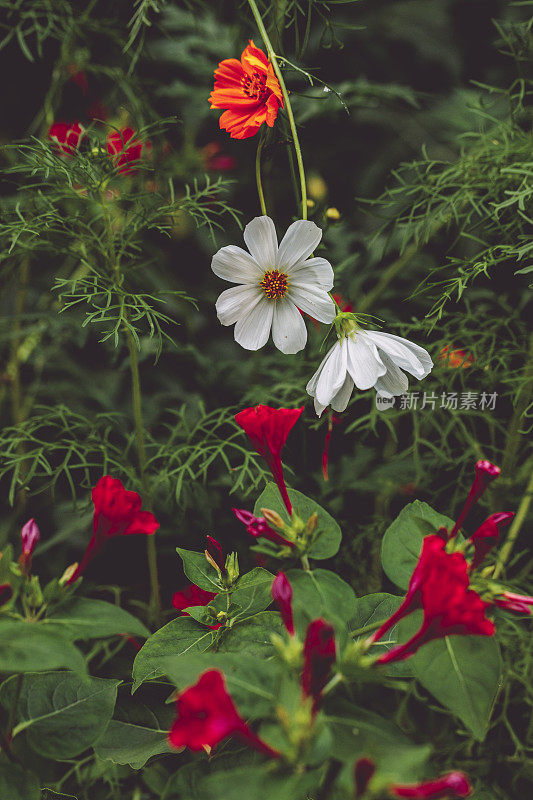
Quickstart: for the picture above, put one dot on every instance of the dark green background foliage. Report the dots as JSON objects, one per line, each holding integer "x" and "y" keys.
{"x": 414, "y": 120}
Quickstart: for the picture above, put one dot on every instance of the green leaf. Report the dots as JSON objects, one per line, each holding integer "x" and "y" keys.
{"x": 49, "y": 794}
{"x": 259, "y": 781}
{"x": 374, "y": 608}
{"x": 320, "y": 593}
{"x": 253, "y": 592}
{"x": 402, "y": 542}
{"x": 30, "y": 646}
{"x": 127, "y": 743}
{"x": 61, "y": 713}
{"x": 198, "y": 570}
{"x": 328, "y": 534}
{"x": 179, "y": 637}
{"x": 17, "y": 783}
{"x": 83, "y": 618}
{"x": 252, "y": 635}
{"x": 463, "y": 673}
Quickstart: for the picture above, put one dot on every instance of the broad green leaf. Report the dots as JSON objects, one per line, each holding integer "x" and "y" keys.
{"x": 462, "y": 672}
{"x": 320, "y": 593}
{"x": 178, "y": 637}
{"x": 61, "y": 713}
{"x": 374, "y": 608}
{"x": 30, "y": 646}
{"x": 402, "y": 541}
{"x": 17, "y": 783}
{"x": 328, "y": 534}
{"x": 259, "y": 782}
{"x": 198, "y": 570}
{"x": 253, "y": 592}
{"x": 83, "y": 618}
{"x": 126, "y": 743}
{"x": 253, "y": 635}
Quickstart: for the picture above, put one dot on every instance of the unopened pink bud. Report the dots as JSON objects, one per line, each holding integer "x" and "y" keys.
{"x": 282, "y": 596}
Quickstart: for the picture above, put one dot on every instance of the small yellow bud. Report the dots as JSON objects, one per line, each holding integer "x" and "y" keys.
{"x": 273, "y": 518}
{"x": 333, "y": 214}
{"x": 211, "y": 560}
{"x": 312, "y": 522}
{"x": 317, "y": 187}
{"x": 68, "y": 573}
{"x": 310, "y": 203}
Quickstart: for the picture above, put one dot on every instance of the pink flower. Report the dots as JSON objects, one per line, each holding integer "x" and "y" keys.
{"x": 451, "y": 786}
{"x": 267, "y": 429}
{"x": 67, "y": 136}
{"x": 117, "y": 512}
{"x": 30, "y": 535}
{"x": 258, "y": 527}
{"x": 439, "y": 585}
{"x": 486, "y": 472}
{"x": 282, "y": 596}
{"x": 215, "y": 551}
{"x": 319, "y": 657}
{"x": 207, "y": 715}
{"x": 518, "y": 603}
{"x": 125, "y": 149}
{"x": 487, "y": 535}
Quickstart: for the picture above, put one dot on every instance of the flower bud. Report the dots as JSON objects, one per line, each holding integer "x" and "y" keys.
{"x": 273, "y": 518}
{"x": 485, "y": 473}
{"x": 232, "y": 568}
{"x": 29, "y": 535}
{"x": 215, "y": 555}
{"x": 282, "y": 596}
{"x": 68, "y": 573}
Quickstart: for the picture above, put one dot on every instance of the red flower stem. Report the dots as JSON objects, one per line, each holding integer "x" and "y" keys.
{"x": 287, "y": 103}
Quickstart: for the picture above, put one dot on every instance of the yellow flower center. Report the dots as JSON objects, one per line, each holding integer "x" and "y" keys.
{"x": 275, "y": 284}
{"x": 254, "y": 86}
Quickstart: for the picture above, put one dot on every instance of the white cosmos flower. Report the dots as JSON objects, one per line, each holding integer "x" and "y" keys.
{"x": 273, "y": 283}
{"x": 366, "y": 359}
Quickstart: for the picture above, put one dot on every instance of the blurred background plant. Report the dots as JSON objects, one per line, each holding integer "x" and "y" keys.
{"x": 415, "y": 123}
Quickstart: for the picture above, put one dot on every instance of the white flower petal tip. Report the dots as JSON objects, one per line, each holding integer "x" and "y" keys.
{"x": 272, "y": 284}
{"x": 366, "y": 359}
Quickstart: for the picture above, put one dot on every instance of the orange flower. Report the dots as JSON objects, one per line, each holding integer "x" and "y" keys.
{"x": 249, "y": 91}
{"x": 455, "y": 358}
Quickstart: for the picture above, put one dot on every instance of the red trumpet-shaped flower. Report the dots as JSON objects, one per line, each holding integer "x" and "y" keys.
{"x": 258, "y": 527}
{"x": 207, "y": 715}
{"x": 518, "y": 603}
{"x": 117, "y": 512}
{"x": 249, "y": 91}
{"x": 67, "y": 136}
{"x": 125, "y": 149}
{"x": 440, "y": 586}
{"x": 486, "y": 472}
{"x": 30, "y": 535}
{"x": 363, "y": 771}
{"x": 486, "y": 536}
{"x": 319, "y": 657}
{"x": 267, "y": 429}
{"x": 193, "y": 596}
{"x": 452, "y": 786}
{"x": 282, "y": 596}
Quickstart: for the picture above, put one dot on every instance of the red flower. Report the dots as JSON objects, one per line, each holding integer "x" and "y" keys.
{"x": 268, "y": 429}
{"x": 319, "y": 657}
{"x": 6, "y": 593}
{"x": 455, "y": 358}
{"x": 30, "y": 535}
{"x": 193, "y": 596}
{"x": 485, "y": 474}
{"x": 282, "y": 596}
{"x": 259, "y": 527}
{"x": 519, "y": 603}
{"x": 249, "y": 91}
{"x": 214, "y": 549}
{"x": 486, "y": 536}
{"x": 216, "y": 160}
{"x": 67, "y": 136}
{"x": 364, "y": 769}
{"x": 125, "y": 150}
{"x": 78, "y": 77}
{"x": 117, "y": 512}
{"x": 207, "y": 714}
{"x": 439, "y": 585}
{"x": 452, "y": 786}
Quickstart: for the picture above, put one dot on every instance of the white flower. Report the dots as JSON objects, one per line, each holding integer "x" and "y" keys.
{"x": 274, "y": 282}
{"x": 367, "y": 359}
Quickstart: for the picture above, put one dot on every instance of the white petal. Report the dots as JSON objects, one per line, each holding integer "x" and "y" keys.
{"x": 405, "y": 354}
{"x": 342, "y": 398}
{"x": 332, "y": 374}
{"x": 315, "y": 271}
{"x": 394, "y": 381}
{"x": 301, "y": 239}
{"x": 235, "y": 265}
{"x": 262, "y": 242}
{"x": 313, "y": 300}
{"x": 236, "y": 302}
{"x": 319, "y": 408}
{"x": 288, "y": 328}
{"x": 364, "y": 363}
{"x": 252, "y": 330}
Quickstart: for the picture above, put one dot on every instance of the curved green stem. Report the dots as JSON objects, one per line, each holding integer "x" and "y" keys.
{"x": 514, "y": 530}
{"x": 258, "y": 175}
{"x": 287, "y": 102}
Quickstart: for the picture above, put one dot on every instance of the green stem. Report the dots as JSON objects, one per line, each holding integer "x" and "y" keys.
{"x": 305, "y": 563}
{"x": 288, "y": 108}
{"x": 154, "y": 607}
{"x": 514, "y": 530}
{"x": 258, "y": 175}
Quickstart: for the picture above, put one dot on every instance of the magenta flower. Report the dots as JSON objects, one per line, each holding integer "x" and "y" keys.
{"x": 486, "y": 472}
{"x": 282, "y": 596}
{"x": 487, "y": 535}
{"x": 30, "y": 535}
{"x": 452, "y": 786}
{"x": 258, "y": 527}
{"x": 319, "y": 657}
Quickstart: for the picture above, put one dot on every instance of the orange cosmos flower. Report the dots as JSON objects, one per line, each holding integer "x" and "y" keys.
{"x": 455, "y": 358}
{"x": 249, "y": 91}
